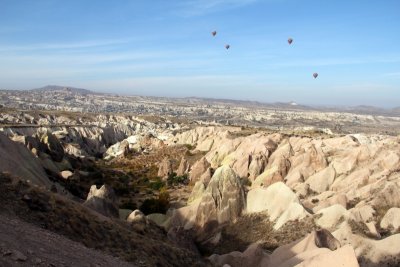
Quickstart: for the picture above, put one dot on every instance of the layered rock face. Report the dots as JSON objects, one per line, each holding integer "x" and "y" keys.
{"x": 223, "y": 200}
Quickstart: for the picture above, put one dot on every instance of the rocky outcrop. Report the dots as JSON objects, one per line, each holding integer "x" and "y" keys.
{"x": 198, "y": 169}
{"x": 391, "y": 220}
{"x": 136, "y": 217}
{"x": 280, "y": 202}
{"x": 19, "y": 161}
{"x": 183, "y": 167}
{"x": 102, "y": 200}
{"x": 165, "y": 169}
{"x": 197, "y": 192}
{"x": 322, "y": 180}
{"x": 118, "y": 149}
{"x": 66, "y": 174}
{"x": 370, "y": 253}
{"x": 222, "y": 201}
{"x": 52, "y": 146}
{"x": 317, "y": 249}
{"x": 332, "y": 216}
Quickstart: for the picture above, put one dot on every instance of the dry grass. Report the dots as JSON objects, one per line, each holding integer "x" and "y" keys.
{"x": 257, "y": 227}
{"x": 146, "y": 243}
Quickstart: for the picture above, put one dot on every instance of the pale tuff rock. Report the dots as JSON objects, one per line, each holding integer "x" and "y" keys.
{"x": 136, "y": 217}
{"x": 102, "y": 200}
{"x": 363, "y": 213}
{"x": 165, "y": 169}
{"x": 333, "y": 216}
{"x": 388, "y": 195}
{"x": 372, "y": 230}
{"x": 133, "y": 143}
{"x": 118, "y": 149}
{"x": 198, "y": 169}
{"x": 335, "y": 198}
{"x": 317, "y": 249}
{"x": 183, "y": 167}
{"x": 206, "y": 177}
{"x": 194, "y": 136}
{"x": 66, "y": 174}
{"x": 277, "y": 167}
{"x": 356, "y": 179}
{"x": 391, "y": 220}
{"x": 281, "y": 203}
{"x": 371, "y": 252}
{"x": 197, "y": 191}
{"x": 223, "y": 200}
{"x": 308, "y": 159}
{"x": 322, "y": 180}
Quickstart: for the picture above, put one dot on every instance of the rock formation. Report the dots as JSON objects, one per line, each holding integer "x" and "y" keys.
{"x": 102, "y": 200}
{"x": 19, "y": 161}
{"x": 317, "y": 249}
{"x": 165, "y": 168}
{"x": 222, "y": 201}
{"x": 183, "y": 167}
{"x": 280, "y": 202}
{"x": 198, "y": 169}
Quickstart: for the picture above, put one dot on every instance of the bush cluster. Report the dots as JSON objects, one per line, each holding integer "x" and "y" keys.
{"x": 174, "y": 179}
{"x": 156, "y": 205}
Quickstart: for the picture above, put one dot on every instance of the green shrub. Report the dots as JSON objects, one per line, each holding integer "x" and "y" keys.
{"x": 157, "y": 184}
{"x": 189, "y": 146}
{"x": 156, "y": 205}
{"x": 245, "y": 181}
{"x": 173, "y": 179}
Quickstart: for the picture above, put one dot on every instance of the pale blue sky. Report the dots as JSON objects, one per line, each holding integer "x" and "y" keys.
{"x": 165, "y": 48}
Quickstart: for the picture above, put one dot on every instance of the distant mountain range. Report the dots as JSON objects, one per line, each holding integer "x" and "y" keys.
{"x": 54, "y": 88}
{"x": 361, "y": 109}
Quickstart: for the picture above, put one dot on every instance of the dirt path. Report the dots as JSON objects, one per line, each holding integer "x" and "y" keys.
{"x": 23, "y": 244}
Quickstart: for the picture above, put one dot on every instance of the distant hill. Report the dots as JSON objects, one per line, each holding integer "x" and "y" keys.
{"x": 396, "y": 110}
{"x": 247, "y": 103}
{"x": 53, "y": 88}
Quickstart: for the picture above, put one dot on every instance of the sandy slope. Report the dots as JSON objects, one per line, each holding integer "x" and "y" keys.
{"x": 23, "y": 244}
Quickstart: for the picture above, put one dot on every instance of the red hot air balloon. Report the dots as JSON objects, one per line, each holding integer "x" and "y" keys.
{"x": 315, "y": 75}
{"x": 227, "y": 46}
{"x": 214, "y": 33}
{"x": 290, "y": 41}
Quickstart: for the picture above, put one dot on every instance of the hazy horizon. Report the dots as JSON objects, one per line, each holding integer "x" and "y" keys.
{"x": 216, "y": 98}
{"x": 166, "y": 49}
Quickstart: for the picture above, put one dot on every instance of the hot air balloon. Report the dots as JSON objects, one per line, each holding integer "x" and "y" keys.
{"x": 315, "y": 75}
{"x": 227, "y": 46}
{"x": 214, "y": 33}
{"x": 290, "y": 41}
